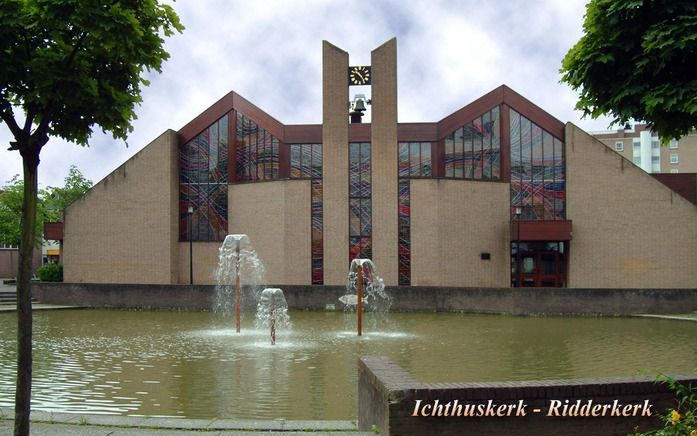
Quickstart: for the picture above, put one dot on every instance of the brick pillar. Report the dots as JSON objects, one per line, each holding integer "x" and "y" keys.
{"x": 384, "y": 157}
{"x": 335, "y": 97}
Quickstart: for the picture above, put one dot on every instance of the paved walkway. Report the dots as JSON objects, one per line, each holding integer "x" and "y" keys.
{"x": 55, "y": 424}
{"x": 44, "y": 429}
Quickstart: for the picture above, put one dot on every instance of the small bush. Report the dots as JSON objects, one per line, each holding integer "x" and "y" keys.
{"x": 682, "y": 420}
{"x": 51, "y": 272}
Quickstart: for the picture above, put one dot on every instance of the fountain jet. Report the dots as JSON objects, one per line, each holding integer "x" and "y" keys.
{"x": 272, "y": 311}
{"x": 236, "y": 259}
{"x": 366, "y": 290}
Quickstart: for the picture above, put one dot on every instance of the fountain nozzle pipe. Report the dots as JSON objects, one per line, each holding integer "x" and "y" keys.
{"x": 273, "y": 323}
{"x": 359, "y": 294}
{"x": 237, "y": 286}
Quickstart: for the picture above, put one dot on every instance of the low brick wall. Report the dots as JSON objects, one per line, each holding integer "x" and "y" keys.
{"x": 529, "y": 301}
{"x": 389, "y": 398}
{"x": 186, "y": 297}
{"x": 125, "y": 296}
{"x": 523, "y": 301}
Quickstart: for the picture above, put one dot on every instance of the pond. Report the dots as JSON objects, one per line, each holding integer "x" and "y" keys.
{"x": 194, "y": 365}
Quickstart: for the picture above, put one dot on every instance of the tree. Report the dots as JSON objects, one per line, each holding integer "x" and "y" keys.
{"x": 636, "y": 60}
{"x": 69, "y": 65}
{"x": 57, "y": 199}
{"x": 50, "y": 203}
{"x": 11, "y": 199}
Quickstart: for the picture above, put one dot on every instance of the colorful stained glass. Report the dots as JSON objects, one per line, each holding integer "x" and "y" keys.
{"x": 317, "y": 218}
{"x": 548, "y": 156}
{"x": 187, "y": 156}
{"x": 473, "y": 151}
{"x": 306, "y": 157}
{"x": 449, "y": 156}
{"x": 316, "y": 164}
{"x": 463, "y": 149}
{"x": 366, "y": 217}
{"x": 404, "y": 243}
{"x": 306, "y": 162}
{"x": 257, "y": 152}
{"x": 295, "y": 161}
{"x": 486, "y": 145}
{"x": 495, "y": 127}
{"x": 415, "y": 160}
{"x": 365, "y": 190}
{"x": 203, "y": 184}
{"x": 354, "y": 217}
{"x": 465, "y": 163}
{"x": 213, "y": 154}
{"x": 360, "y": 207}
{"x": 403, "y": 165}
{"x": 360, "y": 247}
{"x": 537, "y": 171}
{"x": 425, "y": 167}
{"x": 559, "y": 178}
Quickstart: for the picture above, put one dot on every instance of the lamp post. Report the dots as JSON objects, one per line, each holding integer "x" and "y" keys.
{"x": 518, "y": 266}
{"x": 191, "y": 248}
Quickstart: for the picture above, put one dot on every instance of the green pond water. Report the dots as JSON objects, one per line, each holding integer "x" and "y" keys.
{"x": 193, "y": 364}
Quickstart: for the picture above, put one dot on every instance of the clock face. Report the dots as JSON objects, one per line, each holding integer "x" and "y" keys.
{"x": 359, "y": 75}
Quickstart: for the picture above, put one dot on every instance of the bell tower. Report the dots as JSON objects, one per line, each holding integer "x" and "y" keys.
{"x": 337, "y": 133}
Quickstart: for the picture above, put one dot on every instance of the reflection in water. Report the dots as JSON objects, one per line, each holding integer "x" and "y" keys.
{"x": 195, "y": 365}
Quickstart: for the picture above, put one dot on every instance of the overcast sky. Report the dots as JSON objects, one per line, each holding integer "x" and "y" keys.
{"x": 448, "y": 54}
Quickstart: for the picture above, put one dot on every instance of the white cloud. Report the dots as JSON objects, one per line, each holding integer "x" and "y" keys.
{"x": 449, "y": 53}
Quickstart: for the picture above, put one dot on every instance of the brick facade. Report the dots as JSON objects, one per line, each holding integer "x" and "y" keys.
{"x": 629, "y": 230}
{"x": 124, "y": 229}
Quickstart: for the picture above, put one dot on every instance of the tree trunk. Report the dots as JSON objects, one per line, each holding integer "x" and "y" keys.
{"x": 24, "y": 317}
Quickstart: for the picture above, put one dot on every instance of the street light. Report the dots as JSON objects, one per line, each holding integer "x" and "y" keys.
{"x": 518, "y": 212}
{"x": 191, "y": 248}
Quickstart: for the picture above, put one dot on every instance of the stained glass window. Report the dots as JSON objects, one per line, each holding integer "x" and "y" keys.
{"x": 404, "y": 232}
{"x": 306, "y": 162}
{"x": 317, "y": 217}
{"x": 537, "y": 171}
{"x": 415, "y": 161}
{"x": 360, "y": 207}
{"x": 257, "y": 152}
{"x": 203, "y": 172}
{"x": 473, "y": 151}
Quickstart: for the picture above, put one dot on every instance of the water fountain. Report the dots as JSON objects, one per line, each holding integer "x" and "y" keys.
{"x": 236, "y": 258}
{"x": 272, "y": 311}
{"x": 366, "y": 289}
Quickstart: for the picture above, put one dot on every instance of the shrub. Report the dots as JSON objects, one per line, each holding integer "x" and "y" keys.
{"x": 682, "y": 420}
{"x": 51, "y": 272}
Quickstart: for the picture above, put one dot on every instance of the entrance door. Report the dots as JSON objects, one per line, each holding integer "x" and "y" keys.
{"x": 539, "y": 268}
{"x": 548, "y": 274}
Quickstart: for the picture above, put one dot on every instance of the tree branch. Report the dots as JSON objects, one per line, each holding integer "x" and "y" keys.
{"x": 31, "y": 113}
{"x": 78, "y": 46}
{"x": 8, "y": 116}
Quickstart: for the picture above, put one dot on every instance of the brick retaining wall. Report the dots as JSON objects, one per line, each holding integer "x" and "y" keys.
{"x": 522, "y": 301}
{"x": 387, "y": 400}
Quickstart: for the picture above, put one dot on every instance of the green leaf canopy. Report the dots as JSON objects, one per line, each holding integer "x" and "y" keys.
{"x": 75, "y": 63}
{"x": 637, "y": 60}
